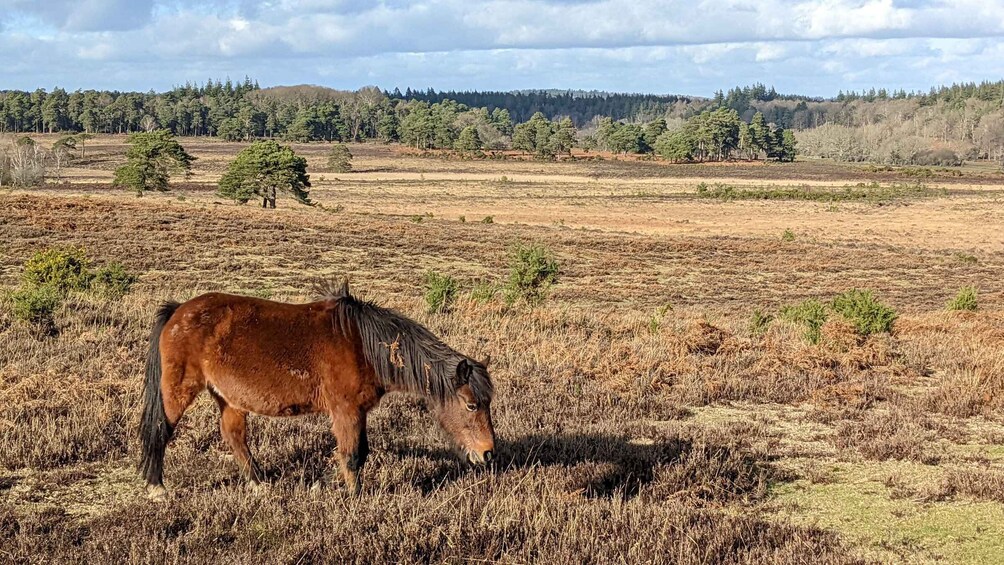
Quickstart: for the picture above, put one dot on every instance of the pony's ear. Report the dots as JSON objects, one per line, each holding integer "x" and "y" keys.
{"x": 464, "y": 369}
{"x": 488, "y": 360}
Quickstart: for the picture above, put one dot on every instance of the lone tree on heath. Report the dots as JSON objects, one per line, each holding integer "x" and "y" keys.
{"x": 340, "y": 158}
{"x": 263, "y": 169}
{"x": 151, "y": 159}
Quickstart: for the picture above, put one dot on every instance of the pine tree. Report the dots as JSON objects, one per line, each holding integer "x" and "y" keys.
{"x": 264, "y": 169}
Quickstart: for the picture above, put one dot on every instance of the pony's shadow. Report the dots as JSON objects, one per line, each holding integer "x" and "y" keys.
{"x": 622, "y": 466}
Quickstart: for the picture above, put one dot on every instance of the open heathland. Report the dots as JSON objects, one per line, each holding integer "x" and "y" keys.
{"x": 697, "y": 386}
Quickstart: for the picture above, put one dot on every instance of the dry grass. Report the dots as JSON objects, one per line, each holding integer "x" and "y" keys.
{"x": 687, "y": 440}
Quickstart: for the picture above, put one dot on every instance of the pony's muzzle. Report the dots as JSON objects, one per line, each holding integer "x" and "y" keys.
{"x": 480, "y": 458}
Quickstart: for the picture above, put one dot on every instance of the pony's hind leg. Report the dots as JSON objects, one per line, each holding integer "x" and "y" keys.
{"x": 179, "y": 388}
{"x": 233, "y": 428}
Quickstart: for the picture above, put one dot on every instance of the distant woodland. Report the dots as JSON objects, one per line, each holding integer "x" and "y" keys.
{"x": 941, "y": 127}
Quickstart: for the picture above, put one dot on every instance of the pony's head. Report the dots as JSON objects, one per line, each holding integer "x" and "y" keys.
{"x": 467, "y": 416}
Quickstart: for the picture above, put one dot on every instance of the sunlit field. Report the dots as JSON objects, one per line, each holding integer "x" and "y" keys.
{"x": 661, "y": 405}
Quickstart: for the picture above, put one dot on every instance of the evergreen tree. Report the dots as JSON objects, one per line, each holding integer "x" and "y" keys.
{"x": 468, "y": 142}
{"x": 264, "y": 169}
{"x": 151, "y": 160}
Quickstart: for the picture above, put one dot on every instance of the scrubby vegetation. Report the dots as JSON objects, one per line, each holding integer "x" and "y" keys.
{"x": 50, "y": 275}
{"x": 965, "y": 299}
{"x": 440, "y": 291}
{"x": 532, "y": 271}
{"x": 873, "y": 192}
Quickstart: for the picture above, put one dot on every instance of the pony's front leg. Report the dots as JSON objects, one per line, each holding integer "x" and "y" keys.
{"x": 350, "y": 431}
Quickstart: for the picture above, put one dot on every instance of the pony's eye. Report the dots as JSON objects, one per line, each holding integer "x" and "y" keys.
{"x": 471, "y": 407}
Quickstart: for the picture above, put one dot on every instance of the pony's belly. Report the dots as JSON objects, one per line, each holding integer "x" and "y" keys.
{"x": 268, "y": 398}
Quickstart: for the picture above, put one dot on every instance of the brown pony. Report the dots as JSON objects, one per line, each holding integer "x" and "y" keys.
{"x": 339, "y": 355}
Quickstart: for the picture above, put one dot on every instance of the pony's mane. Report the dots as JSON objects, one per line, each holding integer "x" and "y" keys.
{"x": 404, "y": 353}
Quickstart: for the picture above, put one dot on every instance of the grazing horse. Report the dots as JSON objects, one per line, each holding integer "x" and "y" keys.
{"x": 338, "y": 355}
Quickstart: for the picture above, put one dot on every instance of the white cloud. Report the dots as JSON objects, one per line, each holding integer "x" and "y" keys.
{"x": 656, "y": 45}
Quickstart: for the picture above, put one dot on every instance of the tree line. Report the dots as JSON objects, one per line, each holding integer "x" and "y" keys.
{"x": 966, "y": 120}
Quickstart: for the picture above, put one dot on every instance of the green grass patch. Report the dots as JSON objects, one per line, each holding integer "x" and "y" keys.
{"x": 964, "y": 300}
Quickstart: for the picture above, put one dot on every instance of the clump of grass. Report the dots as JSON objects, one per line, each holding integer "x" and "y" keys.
{"x": 463, "y": 219}
{"x": 655, "y": 321}
{"x": 112, "y": 281}
{"x": 966, "y": 258}
{"x": 440, "y": 291}
{"x": 36, "y": 305}
{"x": 810, "y": 313}
{"x": 965, "y": 300}
{"x": 488, "y": 220}
{"x": 418, "y": 218}
{"x": 788, "y": 236}
{"x": 759, "y": 323}
{"x": 63, "y": 268}
{"x": 532, "y": 272}
{"x": 864, "y": 311}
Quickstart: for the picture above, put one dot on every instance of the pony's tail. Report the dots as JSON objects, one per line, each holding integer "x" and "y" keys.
{"x": 154, "y": 429}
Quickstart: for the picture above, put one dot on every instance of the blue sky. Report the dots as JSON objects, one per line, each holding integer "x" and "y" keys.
{"x": 814, "y": 47}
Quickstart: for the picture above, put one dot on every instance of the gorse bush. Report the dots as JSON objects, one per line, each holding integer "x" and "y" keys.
{"x": 864, "y": 311}
{"x": 532, "y": 272}
{"x": 440, "y": 291}
{"x": 36, "y": 305}
{"x": 810, "y": 313}
{"x": 63, "y": 269}
{"x": 965, "y": 300}
{"x": 112, "y": 280}
{"x": 788, "y": 236}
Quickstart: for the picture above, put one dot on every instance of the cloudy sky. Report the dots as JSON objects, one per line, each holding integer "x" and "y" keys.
{"x": 814, "y": 47}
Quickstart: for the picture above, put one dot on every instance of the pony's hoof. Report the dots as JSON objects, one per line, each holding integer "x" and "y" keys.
{"x": 156, "y": 493}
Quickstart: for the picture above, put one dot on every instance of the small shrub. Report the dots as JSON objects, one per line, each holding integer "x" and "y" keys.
{"x": 418, "y": 218}
{"x": 440, "y": 291}
{"x": 532, "y": 272}
{"x": 759, "y": 323}
{"x": 483, "y": 292}
{"x": 36, "y": 305}
{"x": 463, "y": 219}
{"x": 488, "y": 220}
{"x": 655, "y": 321}
{"x": 788, "y": 236}
{"x": 63, "y": 269}
{"x": 864, "y": 311}
{"x": 810, "y": 313}
{"x": 112, "y": 281}
{"x": 964, "y": 300}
